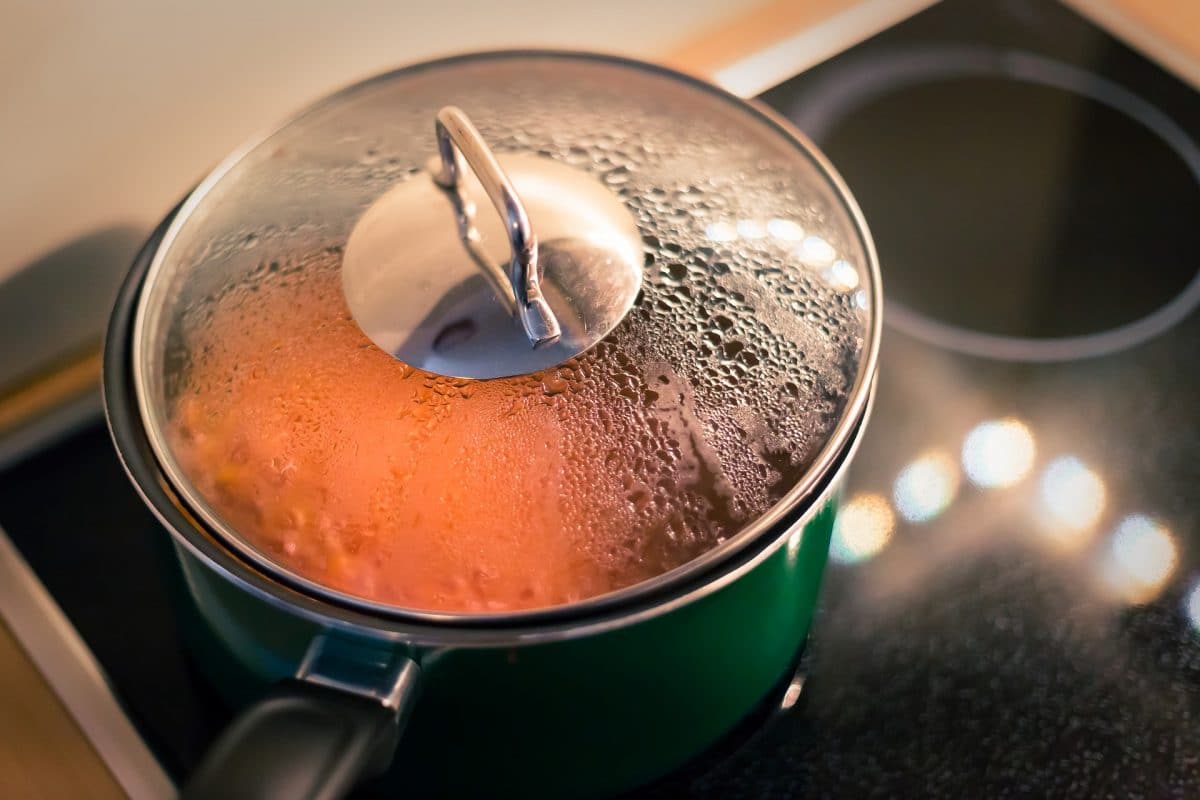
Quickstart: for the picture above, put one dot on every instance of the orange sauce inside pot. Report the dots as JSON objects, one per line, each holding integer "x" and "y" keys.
{"x": 391, "y": 484}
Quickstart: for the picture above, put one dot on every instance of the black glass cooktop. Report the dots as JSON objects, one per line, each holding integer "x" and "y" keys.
{"x": 1012, "y": 605}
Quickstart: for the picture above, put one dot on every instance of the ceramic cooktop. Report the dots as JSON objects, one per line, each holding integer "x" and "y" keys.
{"x": 1013, "y": 602}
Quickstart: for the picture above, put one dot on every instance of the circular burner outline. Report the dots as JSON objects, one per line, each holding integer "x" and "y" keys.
{"x": 820, "y": 107}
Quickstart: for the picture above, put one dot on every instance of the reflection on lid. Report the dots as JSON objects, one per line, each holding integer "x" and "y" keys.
{"x": 925, "y": 487}
{"x": 751, "y": 229}
{"x": 1072, "y": 499}
{"x": 785, "y": 230}
{"x": 841, "y": 275}
{"x": 998, "y": 453}
{"x": 816, "y": 251}
{"x": 720, "y": 232}
{"x": 455, "y": 334}
{"x": 863, "y": 527}
{"x": 1141, "y": 559}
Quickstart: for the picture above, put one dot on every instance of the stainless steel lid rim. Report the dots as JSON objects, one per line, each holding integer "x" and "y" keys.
{"x": 122, "y": 371}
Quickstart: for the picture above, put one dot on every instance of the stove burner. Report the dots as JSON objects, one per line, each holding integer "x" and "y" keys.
{"x": 1024, "y": 209}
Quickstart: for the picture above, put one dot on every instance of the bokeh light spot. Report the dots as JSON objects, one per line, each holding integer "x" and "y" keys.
{"x": 998, "y": 453}
{"x": 864, "y": 526}
{"x": 1142, "y": 558}
{"x": 1072, "y": 497}
{"x": 925, "y": 487}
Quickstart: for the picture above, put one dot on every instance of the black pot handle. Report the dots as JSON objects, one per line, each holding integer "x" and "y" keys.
{"x": 306, "y": 740}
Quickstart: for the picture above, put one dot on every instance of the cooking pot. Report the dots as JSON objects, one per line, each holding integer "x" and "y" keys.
{"x": 740, "y": 226}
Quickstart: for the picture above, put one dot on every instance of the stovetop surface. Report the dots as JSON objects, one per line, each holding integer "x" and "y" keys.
{"x": 1011, "y": 606}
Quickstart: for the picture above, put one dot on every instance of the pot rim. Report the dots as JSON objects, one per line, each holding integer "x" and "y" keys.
{"x": 150, "y": 463}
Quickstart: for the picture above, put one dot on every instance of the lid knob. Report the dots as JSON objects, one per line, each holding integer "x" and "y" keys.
{"x": 437, "y": 297}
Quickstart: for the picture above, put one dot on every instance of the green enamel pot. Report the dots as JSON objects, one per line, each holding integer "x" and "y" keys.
{"x": 588, "y": 699}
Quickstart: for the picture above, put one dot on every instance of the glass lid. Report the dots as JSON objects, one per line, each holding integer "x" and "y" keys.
{"x": 507, "y": 332}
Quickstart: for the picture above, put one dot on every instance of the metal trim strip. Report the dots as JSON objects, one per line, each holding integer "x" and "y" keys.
{"x": 67, "y": 664}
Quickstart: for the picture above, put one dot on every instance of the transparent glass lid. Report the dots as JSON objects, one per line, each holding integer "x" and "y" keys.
{"x": 727, "y": 386}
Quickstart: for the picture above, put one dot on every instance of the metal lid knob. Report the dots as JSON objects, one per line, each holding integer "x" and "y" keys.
{"x": 437, "y": 297}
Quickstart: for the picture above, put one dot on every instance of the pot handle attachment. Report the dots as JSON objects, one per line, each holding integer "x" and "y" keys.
{"x": 315, "y": 736}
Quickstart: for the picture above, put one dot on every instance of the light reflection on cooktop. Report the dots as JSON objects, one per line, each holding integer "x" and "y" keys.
{"x": 1062, "y": 507}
